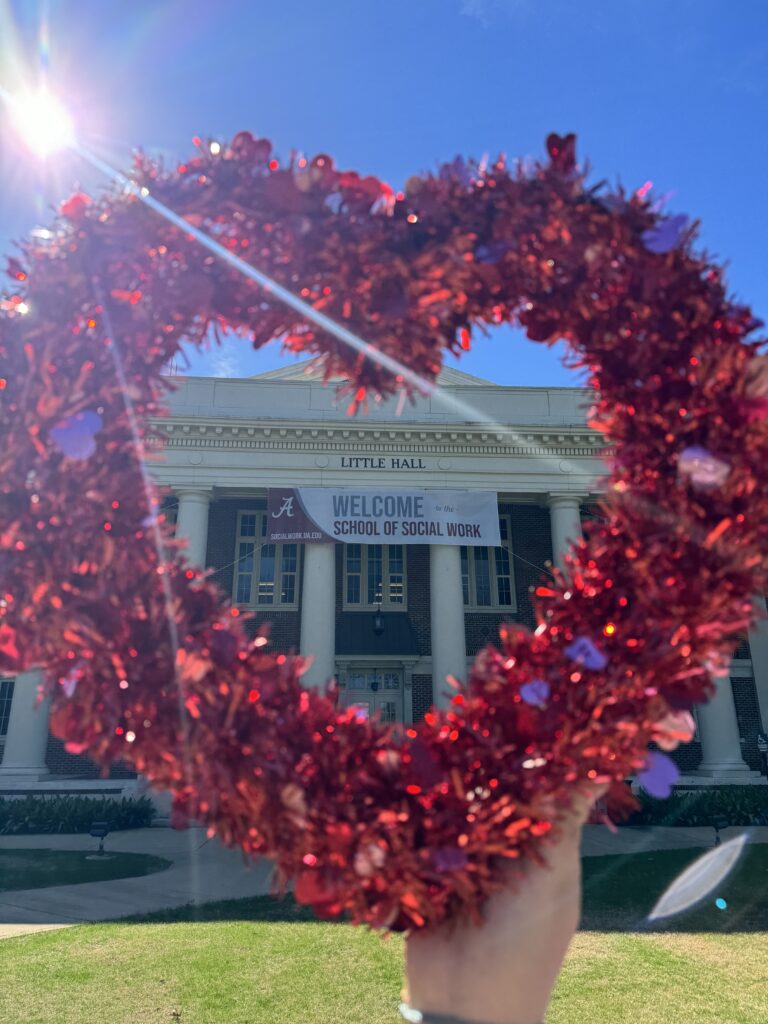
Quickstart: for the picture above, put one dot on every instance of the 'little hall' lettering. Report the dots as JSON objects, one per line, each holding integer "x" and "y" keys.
{"x": 381, "y": 462}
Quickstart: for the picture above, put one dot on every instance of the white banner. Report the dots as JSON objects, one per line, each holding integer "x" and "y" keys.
{"x": 326, "y": 514}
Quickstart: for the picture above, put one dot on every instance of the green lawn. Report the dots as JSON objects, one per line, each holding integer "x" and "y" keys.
{"x": 619, "y": 892}
{"x": 259, "y": 961}
{"x": 37, "y": 869}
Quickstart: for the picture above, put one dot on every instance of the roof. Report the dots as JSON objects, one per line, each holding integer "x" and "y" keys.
{"x": 355, "y": 634}
{"x": 312, "y": 370}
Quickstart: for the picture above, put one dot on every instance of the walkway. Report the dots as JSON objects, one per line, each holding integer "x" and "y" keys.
{"x": 203, "y": 871}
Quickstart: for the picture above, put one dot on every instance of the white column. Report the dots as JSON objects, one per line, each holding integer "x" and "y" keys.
{"x": 27, "y": 738}
{"x": 758, "y": 646}
{"x": 449, "y": 646}
{"x": 318, "y": 613}
{"x": 719, "y": 734}
{"x": 192, "y": 522}
{"x": 565, "y": 523}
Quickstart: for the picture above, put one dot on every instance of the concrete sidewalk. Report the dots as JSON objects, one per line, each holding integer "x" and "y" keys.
{"x": 599, "y": 841}
{"x": 203, "y": 871}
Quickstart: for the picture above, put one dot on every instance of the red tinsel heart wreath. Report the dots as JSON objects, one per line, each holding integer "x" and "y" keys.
{"x": 146, "y": 659}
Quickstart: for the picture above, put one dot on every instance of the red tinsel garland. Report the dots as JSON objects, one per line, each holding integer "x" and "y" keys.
{"x": 145, "y": 659}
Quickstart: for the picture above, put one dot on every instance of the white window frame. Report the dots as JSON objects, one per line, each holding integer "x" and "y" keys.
{"x": 386, "y": 604}
{"x": 505, "y": 524}
{"x": 259, "y": 544}
{"x": 7, "y": 686}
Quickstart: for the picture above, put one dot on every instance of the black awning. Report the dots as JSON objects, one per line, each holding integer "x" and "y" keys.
{"x": 355, "y": 635}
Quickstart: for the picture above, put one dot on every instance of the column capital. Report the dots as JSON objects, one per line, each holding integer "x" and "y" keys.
{"x": 561, "y": 499}
{"x": 193, "y": 493}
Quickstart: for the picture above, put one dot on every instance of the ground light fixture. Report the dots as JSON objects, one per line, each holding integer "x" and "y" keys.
{"x": 100, "y": 830}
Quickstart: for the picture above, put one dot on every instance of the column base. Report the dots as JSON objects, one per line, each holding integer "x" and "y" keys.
{"x": 9, "y": 772}
{"x": 726, "y": 773}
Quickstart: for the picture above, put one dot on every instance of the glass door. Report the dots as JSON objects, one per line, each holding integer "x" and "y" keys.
{"x": 375, "y": 691}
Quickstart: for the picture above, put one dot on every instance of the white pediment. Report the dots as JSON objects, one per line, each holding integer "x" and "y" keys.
{"x": 312, "y": 370}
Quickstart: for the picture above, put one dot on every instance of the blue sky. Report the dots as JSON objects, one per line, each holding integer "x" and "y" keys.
{"x": 675, "y": 92}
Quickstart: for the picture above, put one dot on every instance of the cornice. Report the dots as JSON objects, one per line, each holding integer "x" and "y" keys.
{"x": 452, "y": 439}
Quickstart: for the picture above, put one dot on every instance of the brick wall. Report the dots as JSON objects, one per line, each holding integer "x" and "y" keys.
{"x": 59, "y": 762}
{"x": 422, "y": 696}
{"x": 687, "y": 757}
{"x": 417, "y": 570}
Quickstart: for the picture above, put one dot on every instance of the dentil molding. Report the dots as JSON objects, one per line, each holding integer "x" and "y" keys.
{"x": 204, "y": 434}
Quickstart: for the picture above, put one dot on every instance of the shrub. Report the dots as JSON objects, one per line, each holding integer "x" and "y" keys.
{"x": 738, "y": 805}
{"x": 45, "y": 814}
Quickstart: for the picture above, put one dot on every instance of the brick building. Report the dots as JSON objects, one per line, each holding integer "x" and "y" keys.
{"x": 388, "y": 620}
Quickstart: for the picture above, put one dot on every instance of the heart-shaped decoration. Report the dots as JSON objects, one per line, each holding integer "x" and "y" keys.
{"x": 398, "y": 827}
{"x": 75, "y": 435}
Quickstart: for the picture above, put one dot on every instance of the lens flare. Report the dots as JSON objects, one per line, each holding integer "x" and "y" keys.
{"x": 42, "y": 123}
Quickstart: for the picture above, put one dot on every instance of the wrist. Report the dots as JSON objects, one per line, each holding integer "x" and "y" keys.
{"x": 417, "y": 1017}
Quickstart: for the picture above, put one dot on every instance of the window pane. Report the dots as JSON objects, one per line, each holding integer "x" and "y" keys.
{"x": 245, "y": 558}
{"x": 353, "y": 557}
{"x": 374, "y": 573}
{"x": 266, "y": 593}
{"x": 6, "y": 697}
{"x": 353, "y": 589}
{"x": 503, "y": 527}
{"x": 244, "y": 573}
{"x": 263, "y": 526}
{"x": 289, "y": 559}
{"x": 465, "y": 573}
{"x": 290, "y": 552}
{"x": 396, "y": 582}
{"x": 503, "y": 576}
{"x": 374, "y": 680}
{"x": 482, "y": 577}
{"x": 395, "y": 552}
{"x": 248, "y": 525}
{"x": 288, "y": 590}
{"x": 387, "y": 711}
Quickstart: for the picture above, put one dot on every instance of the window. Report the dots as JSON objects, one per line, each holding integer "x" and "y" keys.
{"x": 374, "y": 574}
{"x": 373, "y": 679}
{"x": 486, "y": 573}
{"x": 266, "y": 575}
{"x": 6, "y": 697}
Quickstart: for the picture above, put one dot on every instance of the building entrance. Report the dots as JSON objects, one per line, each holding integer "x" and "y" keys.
{"x": 375, "y": 691}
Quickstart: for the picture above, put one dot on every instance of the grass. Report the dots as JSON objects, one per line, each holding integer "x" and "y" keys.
{"x": 38, "y": 869}
{"x": 619, "y": 892}
{"x": 259, "y": 960}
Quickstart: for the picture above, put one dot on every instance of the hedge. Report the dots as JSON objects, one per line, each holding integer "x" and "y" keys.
{"x": 46, "y": 814}
{"x": 739, "y": 805}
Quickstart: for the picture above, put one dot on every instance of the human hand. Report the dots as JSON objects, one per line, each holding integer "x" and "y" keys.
{"x": 503, "y": 971}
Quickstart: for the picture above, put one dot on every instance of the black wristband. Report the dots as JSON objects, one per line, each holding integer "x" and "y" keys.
{"x": 426, "y": 1017}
